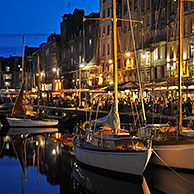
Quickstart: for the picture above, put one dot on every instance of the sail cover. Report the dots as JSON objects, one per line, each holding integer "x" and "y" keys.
{"x": 112, "y": 119}
{"x": 18, "y": 108}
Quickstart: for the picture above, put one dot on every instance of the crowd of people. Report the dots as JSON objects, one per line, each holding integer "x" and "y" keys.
{"x": 162, "y": 105}
{"x": 165, "y": 106}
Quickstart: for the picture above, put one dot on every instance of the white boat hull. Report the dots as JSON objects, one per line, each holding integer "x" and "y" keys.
{"x": 19, "y": 122}
{"x": 176, "y": 156}
{"x": 131, "y": 162}
{"x": 19, "y": 130}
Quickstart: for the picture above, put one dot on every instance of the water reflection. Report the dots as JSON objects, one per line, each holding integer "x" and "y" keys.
{"x": 167, "y": 181}
{"x": 48, "y": 155}
{"x": 98, "y": 183}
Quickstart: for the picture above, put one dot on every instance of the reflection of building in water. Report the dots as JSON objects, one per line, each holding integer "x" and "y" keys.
{"x": 51, "y": 158}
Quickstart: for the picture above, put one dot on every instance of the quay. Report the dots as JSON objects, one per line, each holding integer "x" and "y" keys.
{"x": 84, "y": 114}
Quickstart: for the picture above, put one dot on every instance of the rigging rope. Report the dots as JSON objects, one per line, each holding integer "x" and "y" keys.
{"x": 179, "y": 175}
{"x": 137, "y": 64}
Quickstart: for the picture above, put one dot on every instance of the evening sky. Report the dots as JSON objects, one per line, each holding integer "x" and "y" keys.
{"x": 35, "y": 20}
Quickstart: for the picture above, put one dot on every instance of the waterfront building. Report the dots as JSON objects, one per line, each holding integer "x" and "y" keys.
{"x": 156, "y": 42}
{"x": 10, "y": 73}
{"x": 48, "y": 54}
{"x": 78, "y": 45}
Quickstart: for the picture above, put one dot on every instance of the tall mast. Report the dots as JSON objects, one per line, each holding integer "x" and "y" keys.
{"x": 23, "y": 60}
{"x": 115, "y": 50}
{"x": 38, "y": 97}
{"x": 180, "y": 63}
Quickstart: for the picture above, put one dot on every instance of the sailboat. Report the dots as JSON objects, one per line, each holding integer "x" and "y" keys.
{"x": 19, "y": 119}
{"x": 174, "y": 145}
{"x": 106, "y": 146}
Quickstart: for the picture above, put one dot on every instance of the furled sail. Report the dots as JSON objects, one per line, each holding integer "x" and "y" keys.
{"x": 112, "y": 119}
{"x": 18, "y": 108}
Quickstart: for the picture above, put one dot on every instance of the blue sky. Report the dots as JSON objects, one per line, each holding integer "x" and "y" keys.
{"x": 35, "y": 20}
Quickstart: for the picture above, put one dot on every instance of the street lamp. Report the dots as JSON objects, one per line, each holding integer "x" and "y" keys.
{"x": 127, "y": 54}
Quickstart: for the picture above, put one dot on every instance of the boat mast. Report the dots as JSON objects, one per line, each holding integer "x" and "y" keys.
{"x": 115, "y": 51}
{"x": 38, "y": 97}
{"x": 23, "y": 60}
{"x": 180, "y": 64}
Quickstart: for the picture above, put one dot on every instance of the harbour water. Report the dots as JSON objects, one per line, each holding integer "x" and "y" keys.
{"x": 34, "y": 161}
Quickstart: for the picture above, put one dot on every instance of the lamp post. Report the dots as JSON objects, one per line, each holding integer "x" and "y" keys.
{"x": 80, "y": 67}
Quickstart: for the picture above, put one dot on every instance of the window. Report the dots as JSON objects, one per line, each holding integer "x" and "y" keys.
{"x": 80, "y": 59}
{"x": 143, "y": 57}
{"x": 186, "y": 6}
{"x": 148, "y": 4}
{"x": 172, "y": 7}
{"x": 71, "y": 62}
{"x": 90, "y": 28}
{"x": 148, "y": 57}
{"x": 191, "y": 51}
{"x": 90, "y": 42}
{"x": 103, "y": 32}
{"x": 171, "y": 52}
{"x": 162, "y": 52}
{"x": 71, "y": 48}
{"x": 148, "y": 20}
{"x": 108, "y": 29}
{"x": 142, "y": 5}
{"x": 135, "y": 5}
{"x": 155, "y": 54}
{"x": 108, "y": 49}
{"x": 103, "y": 50}
{"x": 192, "y": 23}
{"x": 8, "y": 76}
{"x": 125, "y": 9}
{"x": 47, "y": 51}
{"x": 108, "y": 12}
{"x": 163, "y": 14}
{"x": 103, "y": 14}
{"x": 7, "y": 69}
{"x": 7, "y": 84}
{"x": 80, "y": 46}
{"x": 156, "y": 16}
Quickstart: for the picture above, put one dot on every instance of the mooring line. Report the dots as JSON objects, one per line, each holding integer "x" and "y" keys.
{"x": 185, "y": 179}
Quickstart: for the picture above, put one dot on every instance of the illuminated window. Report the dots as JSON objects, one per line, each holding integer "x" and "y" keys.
{"x": 7, "y": 68}
{"x": 156, "y": 54}
{"x": 8, "y": 76}
{"x": 90, "y": 42}
{"x": 7, "y": 84}
{"x": 191, "y": 51}
{"x": 148, "y": 60}
{"x": 162, "y": 52}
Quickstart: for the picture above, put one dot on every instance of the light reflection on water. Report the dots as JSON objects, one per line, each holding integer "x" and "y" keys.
{"x": 45, "y": 163}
